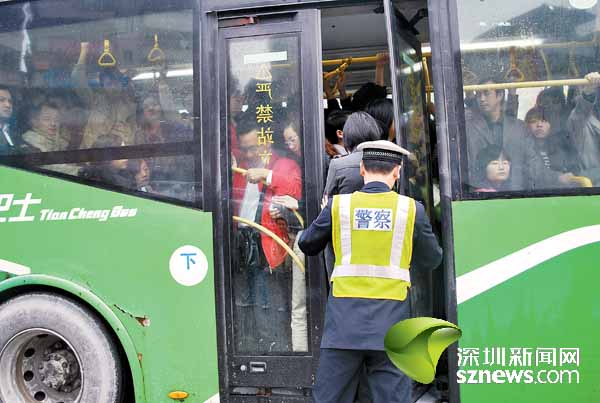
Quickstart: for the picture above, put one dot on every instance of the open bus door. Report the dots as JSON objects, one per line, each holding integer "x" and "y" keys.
{"x": 411, "y": 121}
{"x": 270, "y": 158}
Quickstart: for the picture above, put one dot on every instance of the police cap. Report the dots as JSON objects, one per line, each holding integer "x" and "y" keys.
{"x": 382, "y": 150}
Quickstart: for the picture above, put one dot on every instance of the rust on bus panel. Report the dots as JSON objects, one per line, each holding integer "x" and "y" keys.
{"x": 142, "y": 320}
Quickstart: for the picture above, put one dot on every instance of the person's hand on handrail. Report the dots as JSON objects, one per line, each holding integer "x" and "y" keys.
{"x": 594, "y": 82}
{"x": 256, "y": 175}
{"x": 341, "y": 85}
{"x": 329, "y": 90}
{"x": 382, "y": 60}
{"x": 286, "y": 201}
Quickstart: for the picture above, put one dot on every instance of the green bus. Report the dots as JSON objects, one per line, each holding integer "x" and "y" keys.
{"x": 148, "y": 242}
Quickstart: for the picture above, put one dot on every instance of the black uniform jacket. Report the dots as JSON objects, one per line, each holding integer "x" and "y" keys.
{"x": 359, "y": 323}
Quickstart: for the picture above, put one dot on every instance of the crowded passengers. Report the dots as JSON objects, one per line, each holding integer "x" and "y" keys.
{"x": 555, "y": 146}
{"x": 100, "y": 109}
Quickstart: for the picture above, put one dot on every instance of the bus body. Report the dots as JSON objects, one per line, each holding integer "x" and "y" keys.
{"x": 123, "y": 193}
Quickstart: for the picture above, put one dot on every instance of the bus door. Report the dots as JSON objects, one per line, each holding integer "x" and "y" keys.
{"x": 270, "y": 93}
{"x": 411, "y": 120}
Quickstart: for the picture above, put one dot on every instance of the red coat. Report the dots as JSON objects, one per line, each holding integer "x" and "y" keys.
{"x": 286, "y": 180}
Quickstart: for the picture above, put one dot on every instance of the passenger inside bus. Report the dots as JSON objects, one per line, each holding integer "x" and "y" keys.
{"x": 584, "y": 124}
{"x": 140, "y": 171}
{"x": 488, "y": 124}
{"x": 157, "y": 120}
{"x": 263, "y": 285}
{"x": 494, "y": 165}
{"x": 553, "y": 146}
{"x": 334, "y": 133}
{"x": 110, "y": 172}
{"x": 111, "y": 107}
{"x": 44, "y": 126}
{"x": 382, "y": 109}
{"x": 8, "y": 140}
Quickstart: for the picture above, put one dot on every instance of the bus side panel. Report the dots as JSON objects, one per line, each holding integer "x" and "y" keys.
{"x": 529, "y": 316}
{"x": 144, "y": 259}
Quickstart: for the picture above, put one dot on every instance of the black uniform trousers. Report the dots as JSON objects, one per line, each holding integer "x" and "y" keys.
{"x": 339, "y": 371}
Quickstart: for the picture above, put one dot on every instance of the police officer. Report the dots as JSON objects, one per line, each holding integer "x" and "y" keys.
{"x": 377, "y": 237}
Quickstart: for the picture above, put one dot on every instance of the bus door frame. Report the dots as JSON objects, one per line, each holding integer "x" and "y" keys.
{"x": 400, "y": 37}
{"x": 450, "y": 126}
{"x": 282, "y": 370}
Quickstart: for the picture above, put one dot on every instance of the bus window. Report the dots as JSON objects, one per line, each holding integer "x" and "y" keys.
{"x": 526, "y": 127}
{"x": 100, "y": 79}
{"x": 267, "y": 200}
{"x": 171, "y": 177}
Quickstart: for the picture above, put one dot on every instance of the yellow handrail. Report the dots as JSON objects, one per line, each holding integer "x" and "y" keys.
{"x": 527, "y": 84}
{"x": 428, "y": 86}
{"x": 156, "y": 54}
{"x": 275, "y": 238}
{"x": 107, "y": 54}
{"x": 337, "y": 62}
{"x": 427, "y": 53}
{"x": 582, "y": 181}
{"x": 339, "y": 70}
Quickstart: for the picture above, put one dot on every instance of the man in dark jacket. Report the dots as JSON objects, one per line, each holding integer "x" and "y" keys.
{"x": 584, "y": 124}
{"x": 370, "y": 282}
{"x": 7, "y": 139}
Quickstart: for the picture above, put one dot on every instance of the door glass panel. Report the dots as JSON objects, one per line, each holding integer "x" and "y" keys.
{"x": 414, "y": 124}
{"x": 543, "y": 134}
{"x": 411, "y": 120}
{"x": 268, "y": 288}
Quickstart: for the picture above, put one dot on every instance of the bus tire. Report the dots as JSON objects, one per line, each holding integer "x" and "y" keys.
{"x": 53, "y": 349}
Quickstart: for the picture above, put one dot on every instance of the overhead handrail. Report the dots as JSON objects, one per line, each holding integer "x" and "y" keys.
{"x": 156, "y": 54}
{"x": 107, "y": 54}
{"x": 427, "y": 53}
{"x": 527, "y": 84}
{"x": 339, "y": 70}
{"x": 337, "y": 62}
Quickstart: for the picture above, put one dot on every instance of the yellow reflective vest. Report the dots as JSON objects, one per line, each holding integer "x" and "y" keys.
{"x": 372, "y": 240}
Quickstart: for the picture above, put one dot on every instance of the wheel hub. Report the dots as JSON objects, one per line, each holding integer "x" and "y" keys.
{"x": 59, "y": 369}
{"x": 41, "y": 368}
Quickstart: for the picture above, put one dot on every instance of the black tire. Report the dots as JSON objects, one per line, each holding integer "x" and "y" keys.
{"x": 55, "y": 350}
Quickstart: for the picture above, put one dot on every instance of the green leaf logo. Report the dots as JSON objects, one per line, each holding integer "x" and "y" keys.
{"x": 415, "y": 345}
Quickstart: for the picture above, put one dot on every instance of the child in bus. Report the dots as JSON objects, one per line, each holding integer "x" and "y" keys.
{"x": 140, "y": 171}
{"x": 494, "y": 167}
{"x": 112, "y": 172}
